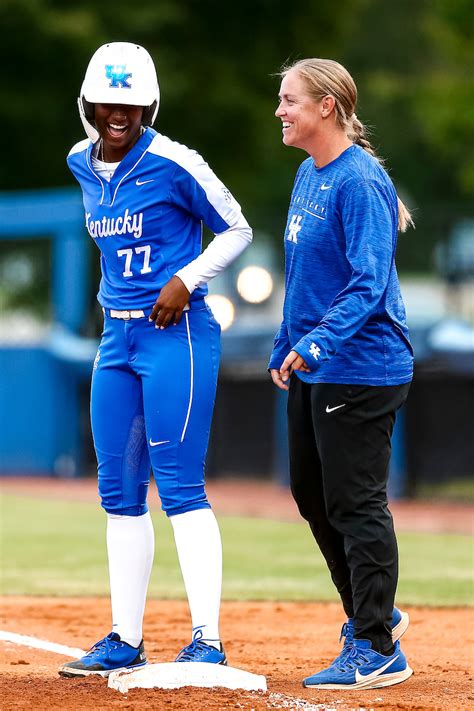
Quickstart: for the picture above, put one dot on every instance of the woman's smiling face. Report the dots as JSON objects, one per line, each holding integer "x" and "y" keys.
{"x": 119, "y": 127}
{"x": 299, "y": 113}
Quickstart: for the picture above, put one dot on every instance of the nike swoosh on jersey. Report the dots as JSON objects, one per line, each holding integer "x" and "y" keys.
{"x": 144, "y": 182}
{"x": 155, "y": 444}
{"x": 331, "y": 409}
{"x": 325, "y": 187}
{"x": 373, "y": 675}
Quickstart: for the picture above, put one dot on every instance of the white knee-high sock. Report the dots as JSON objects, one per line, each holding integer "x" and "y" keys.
{"x": 131, "y": 546}
{"x": 198, "y": 542}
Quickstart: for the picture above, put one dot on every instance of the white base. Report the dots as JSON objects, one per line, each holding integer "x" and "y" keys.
{"x": 174, "y": 675}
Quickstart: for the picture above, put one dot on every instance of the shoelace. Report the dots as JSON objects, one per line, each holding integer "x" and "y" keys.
{"x": 347, "y": 631}
{"x": 189, "y": 651}
{"x": 351, "y": 658}
{"x": 103, "y": 646}
{"x": 196, "y": 646}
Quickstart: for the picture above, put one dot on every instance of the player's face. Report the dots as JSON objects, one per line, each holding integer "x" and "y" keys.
{"x": 299, "y": 113}
{"x": 119, "y": 128}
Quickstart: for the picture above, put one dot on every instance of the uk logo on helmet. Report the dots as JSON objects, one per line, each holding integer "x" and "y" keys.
{"x": 118, "y": 76}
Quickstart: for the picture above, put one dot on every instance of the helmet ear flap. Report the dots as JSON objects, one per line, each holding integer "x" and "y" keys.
{"x": 88, "y": 109}
{"x": 149, "y": 114}
{"x": 88, "y": 124}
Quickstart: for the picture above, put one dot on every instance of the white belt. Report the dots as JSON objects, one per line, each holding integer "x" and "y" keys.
{"x": 127, "y": 315}
{"x": 137, "y": 313}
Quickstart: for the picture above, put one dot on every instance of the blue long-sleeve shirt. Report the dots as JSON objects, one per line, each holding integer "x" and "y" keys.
{"x": 343, "y": 310}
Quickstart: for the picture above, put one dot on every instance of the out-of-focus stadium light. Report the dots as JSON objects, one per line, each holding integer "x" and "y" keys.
{"x": 222, "y": 308}
{"x": 254, "y": 284}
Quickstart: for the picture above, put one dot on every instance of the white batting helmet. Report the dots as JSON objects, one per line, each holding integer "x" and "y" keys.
{"x": 119, "y": 73}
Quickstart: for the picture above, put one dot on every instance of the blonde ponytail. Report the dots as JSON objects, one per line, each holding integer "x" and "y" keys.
{"x": 357, "y": 133}
{"x": 405, "y": 220}
{"x": 325, "y": 76}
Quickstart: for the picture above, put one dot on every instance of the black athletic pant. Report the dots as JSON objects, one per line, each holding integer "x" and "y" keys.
{"x": 340, "y": 444}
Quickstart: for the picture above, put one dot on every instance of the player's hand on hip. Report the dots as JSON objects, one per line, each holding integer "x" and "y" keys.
{"x": 170, "y": 304}
{"x": 293, "y": 361}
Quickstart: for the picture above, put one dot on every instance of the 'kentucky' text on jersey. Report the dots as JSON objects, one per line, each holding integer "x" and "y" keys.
{"x": 147, "y": 221}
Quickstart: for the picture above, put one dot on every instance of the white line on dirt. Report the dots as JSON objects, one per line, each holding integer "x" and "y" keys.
{"x": 41, "y": 644}
{"x": 275, "y": 701}
{"x": 283, "y": 701}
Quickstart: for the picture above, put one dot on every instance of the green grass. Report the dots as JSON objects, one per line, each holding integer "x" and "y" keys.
{"x": 58, "y": 548}
{"x": 461, "y": 490}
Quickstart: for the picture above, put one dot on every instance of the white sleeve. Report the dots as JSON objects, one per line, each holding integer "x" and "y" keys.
{"x": 224, "y": 248}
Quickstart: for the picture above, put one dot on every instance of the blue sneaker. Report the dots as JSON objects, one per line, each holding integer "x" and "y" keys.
{"x": 400, "y": 622}
{"x": 359, "y": 667}
{"x": 199, "y": 651}
{"x": 107, "y": 655}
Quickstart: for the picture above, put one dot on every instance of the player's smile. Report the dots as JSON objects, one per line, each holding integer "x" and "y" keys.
{"x": 116, "y": 130}
{"x": 119, "y": 127}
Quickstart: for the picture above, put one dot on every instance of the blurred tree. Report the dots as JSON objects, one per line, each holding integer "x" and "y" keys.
{"x": 413, "y": 63}
{"x": 414, "y": 66}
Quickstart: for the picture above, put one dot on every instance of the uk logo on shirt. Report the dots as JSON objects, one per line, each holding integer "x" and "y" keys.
{"x": 294, "y": 227}
{"x": 315, "y": 351}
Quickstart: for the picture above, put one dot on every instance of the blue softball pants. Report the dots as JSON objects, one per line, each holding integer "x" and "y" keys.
{"x": 152, "y": 399}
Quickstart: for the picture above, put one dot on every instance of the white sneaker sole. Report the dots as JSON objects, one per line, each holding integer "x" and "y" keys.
{"x": 70, "y": 672}
{"x": 377, "y": 683}
{"x": 388, "y": 679}
{"x": 401, "y": 628}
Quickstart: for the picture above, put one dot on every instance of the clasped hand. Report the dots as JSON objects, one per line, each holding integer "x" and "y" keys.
{"x": 170, "y": 304}
{"x": 293, "y": 361}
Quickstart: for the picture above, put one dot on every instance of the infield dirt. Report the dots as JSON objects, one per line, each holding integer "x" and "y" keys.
{"x": 284, "y": 641}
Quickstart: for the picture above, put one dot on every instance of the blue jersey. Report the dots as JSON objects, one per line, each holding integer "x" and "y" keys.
{"x": 147, "y": 222}
{"x": 343, "y": 310}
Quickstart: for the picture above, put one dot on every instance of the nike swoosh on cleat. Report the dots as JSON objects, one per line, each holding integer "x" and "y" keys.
{"x": 331, "y": 409}
{"x": 144, "y": 182}
{"x": 373, "y": 675}
{"x": 155, "y": 444}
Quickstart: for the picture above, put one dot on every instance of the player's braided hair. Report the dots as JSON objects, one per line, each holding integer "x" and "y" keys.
{"x": 325, "y": 76}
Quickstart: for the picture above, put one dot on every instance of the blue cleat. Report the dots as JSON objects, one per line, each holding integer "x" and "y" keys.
{"x": 199, "y": 651}
{"x": 400, "y": 622}
{"x": 359, "y": 667}
{"x": 107, "y": 655}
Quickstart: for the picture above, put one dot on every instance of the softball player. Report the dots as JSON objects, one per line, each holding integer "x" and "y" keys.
{"x": 155, "y": 374}
{"x": 343, "y": 346}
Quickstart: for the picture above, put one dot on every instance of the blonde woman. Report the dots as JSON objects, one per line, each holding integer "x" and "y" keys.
{"x": 344, "y": 354}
